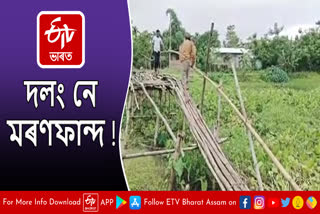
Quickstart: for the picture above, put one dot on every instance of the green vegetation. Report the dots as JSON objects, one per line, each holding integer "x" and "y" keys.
{"x": 285, "y": 115}
{"x": 299, "y": 54}
{"x": 276, "y": 75}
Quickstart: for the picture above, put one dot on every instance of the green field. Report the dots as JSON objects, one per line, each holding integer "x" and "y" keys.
{"x": 287, "y": 116}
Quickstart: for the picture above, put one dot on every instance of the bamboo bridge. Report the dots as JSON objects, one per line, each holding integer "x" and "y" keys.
{"x": 206, "y": 141}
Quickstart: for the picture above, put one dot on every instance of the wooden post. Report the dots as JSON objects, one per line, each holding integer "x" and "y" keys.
{"x": 207, "y": 66}
{"x": 219, "y": 110}
{"x": 170, "y": 41}
{"x": 176, "y": 156}
{"x": 244, "y": 113}
{"x": 156, "y": 132}
{"x": 128, "y": 114}
{"x": 157, "y": 123}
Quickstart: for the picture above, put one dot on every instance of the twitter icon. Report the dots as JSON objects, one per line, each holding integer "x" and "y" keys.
{"x": 286, "y": 202}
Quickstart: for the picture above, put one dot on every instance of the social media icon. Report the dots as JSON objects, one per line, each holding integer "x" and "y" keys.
{"x": 135, "y": 202}
{"x": 120, "y": 202}
{"x": 285, "y": 203}
{"x": 273, "y": 202}
{"x": 245, "y": 202}
{"x": 259, "y": 202}
{"x": 311, "y": 202}
{"x": 297, "y": 202}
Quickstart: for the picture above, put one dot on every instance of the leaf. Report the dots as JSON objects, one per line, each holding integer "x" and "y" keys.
{"x": 178, "y": 166}
{"x": 204, "y": 185}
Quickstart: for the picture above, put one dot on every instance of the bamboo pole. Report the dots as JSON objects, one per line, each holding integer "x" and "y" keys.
{"x": 128, "y": 114}
{"x": 218, "y": 111}
{"x": 159, "y": 113}
{"x": 224, "y": 170}
{"x": 134, "y": 95}
{"x": 156, "y": 153}
{"x": 156, "y": 132}
{"x": 255, "y": 134}
{"x": 170, "y": 41}
{"x": 211, "y": 163}
{"x": 244, "y": 113}
{"x": 207, "y": 67}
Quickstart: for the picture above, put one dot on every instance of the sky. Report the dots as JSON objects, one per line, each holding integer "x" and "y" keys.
{"x": 249, "y": 16}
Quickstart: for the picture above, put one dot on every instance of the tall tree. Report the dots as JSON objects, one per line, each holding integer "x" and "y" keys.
{"x": 177, "y": 31}
{"x": 232, "y": 39}
{"x": 202, "y": 44}
{"x": 276, "y": 30}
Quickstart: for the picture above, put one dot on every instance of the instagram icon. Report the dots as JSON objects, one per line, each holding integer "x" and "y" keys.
{"x": 258, "y": 202}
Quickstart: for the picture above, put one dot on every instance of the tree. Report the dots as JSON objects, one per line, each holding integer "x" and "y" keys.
{"x": 232, "y": 39}
{"x": 142, "y": 48}
{"x": 177, "y": 31}
{"x": 299, "y": 54}
{"x": 276, "y": 30}
{"x": 202, "y": 44}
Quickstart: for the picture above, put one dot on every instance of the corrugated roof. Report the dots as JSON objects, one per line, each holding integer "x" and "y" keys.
{"x": 231, "y": 50}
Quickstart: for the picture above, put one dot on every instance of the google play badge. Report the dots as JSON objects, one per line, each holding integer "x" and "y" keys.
{"x": 120, "y": 202}
{"x": 311, "y": 202}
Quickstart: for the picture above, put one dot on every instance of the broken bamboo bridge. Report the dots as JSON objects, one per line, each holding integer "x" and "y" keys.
{"x": 206, "y": 140}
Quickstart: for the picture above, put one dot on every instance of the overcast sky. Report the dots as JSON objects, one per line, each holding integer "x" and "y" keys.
{"x": 249, "y": 16}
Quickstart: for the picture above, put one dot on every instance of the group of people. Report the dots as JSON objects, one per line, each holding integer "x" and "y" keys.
{"x": 187, "y": 54}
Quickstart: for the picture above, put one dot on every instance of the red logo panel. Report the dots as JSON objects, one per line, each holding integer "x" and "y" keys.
{"x": 61, "y": 39}
{"x": 90, "y": 202}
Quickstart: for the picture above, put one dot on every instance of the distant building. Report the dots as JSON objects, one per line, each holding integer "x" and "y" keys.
{"x": 222, "y": 56}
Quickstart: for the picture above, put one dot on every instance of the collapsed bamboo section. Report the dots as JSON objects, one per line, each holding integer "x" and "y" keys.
{"x": 222, "y": 170}
{"x": 220, "y": 167}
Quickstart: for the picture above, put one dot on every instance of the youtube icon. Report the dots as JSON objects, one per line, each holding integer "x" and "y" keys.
{"x": 273, "y": 202}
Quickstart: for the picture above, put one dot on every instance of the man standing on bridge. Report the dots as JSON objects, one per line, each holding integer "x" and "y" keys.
{"x": 187, "y": 58}
{"x": 156, "y": 46}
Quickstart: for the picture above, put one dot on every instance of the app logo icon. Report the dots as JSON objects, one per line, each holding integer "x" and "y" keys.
{"x": 245, "y": 202}
{"x": 60, "y": 39}
{"x": 297, "y": 202}
{"x": 311, "y": 202}
{"x": 90, "y": 202}
{"x": 259, "y": 202}
{"x": 273, "y": 202}
{"x": 135, "y": 202}
{"x": 285, "y": 203}
{"x": 120, "y": 202}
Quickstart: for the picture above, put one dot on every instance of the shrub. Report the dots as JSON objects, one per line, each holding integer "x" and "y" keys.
{"x": 276, "y": 75}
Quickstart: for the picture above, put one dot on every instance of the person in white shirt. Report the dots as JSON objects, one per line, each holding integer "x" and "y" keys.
{"x": 157, "y": 44}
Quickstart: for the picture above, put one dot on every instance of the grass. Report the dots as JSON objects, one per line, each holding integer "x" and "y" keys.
{"x": 287, "y": 117}
{"x": 145, "y": 173}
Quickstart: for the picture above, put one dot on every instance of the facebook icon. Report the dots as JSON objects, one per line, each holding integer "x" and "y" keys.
{"x": 245, "y": 202}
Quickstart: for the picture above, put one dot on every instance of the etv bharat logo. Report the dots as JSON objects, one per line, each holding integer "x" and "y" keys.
{"x": 90, "y": 202}
{"x": 60, "y": 39}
